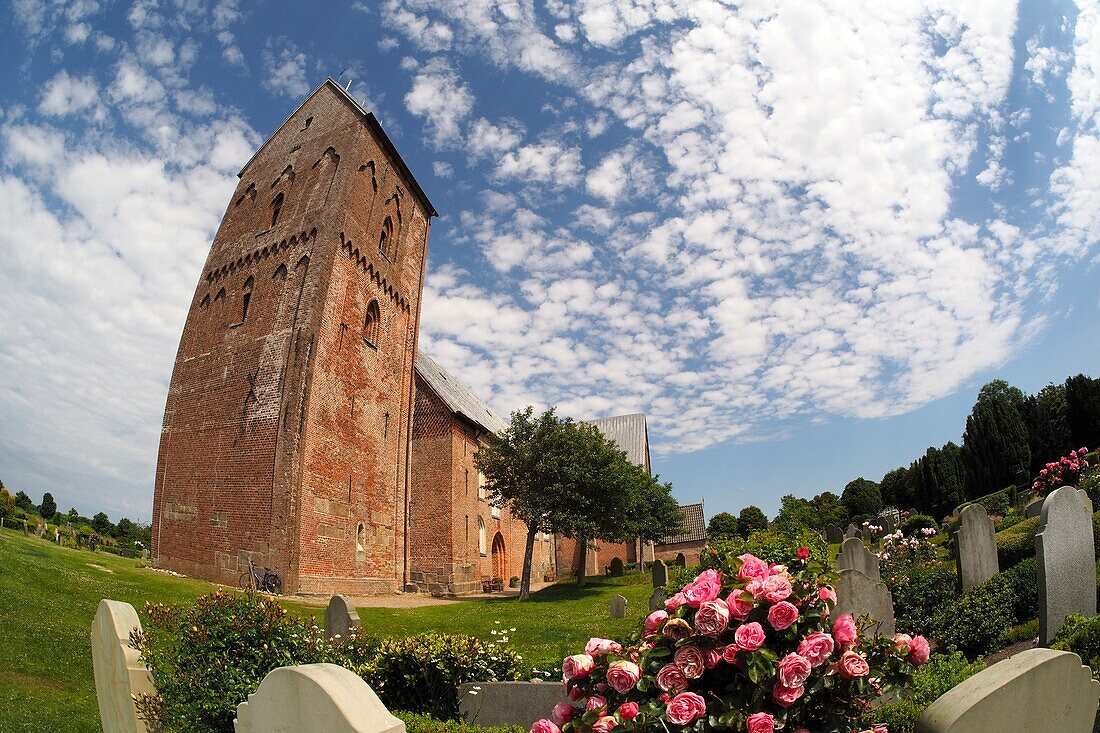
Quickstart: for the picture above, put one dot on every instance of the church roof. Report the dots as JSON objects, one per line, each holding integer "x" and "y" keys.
{"x": 693, "y": 527}
{"x": 630, "y": 433}
{"x": 457, "y": 396}
{"x": 372, "y": 123}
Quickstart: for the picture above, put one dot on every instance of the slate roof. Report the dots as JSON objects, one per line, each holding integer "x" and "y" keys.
{"x": 457, "y": 396}
{"x": 694, "y": 527}
{"x": 630, "y": 433}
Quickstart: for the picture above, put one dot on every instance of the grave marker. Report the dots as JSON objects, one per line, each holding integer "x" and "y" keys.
{"x": 508, "y": 703}
{"x": 618, "y": 607}
{"x": 340, "y": 616}
{"x": 657, "y": 599}
{"x": 854, "y": 555}
{"x": 616, "y": 567}
{"x": 860, "y": 595}
{"x": 852, "y": 531}
{"x": 976, "y": 541}
{"x": 833, "y": 534}
{"x": 660, "y": 574}
{"x": 1033, "y": 510}
{"x": 681, "y": 561}
{"x": 1065, "y": 561}
{"x": 119, "y": 673}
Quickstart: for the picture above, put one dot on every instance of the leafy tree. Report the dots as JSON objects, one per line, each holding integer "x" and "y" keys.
{"x": 722, "y": 526}
{"x": 995, "y": 441}
{"x": 895, "y": 489}
{"x": 22, "y": 501}
{"x": 1044, "y": 416}
{"x": 830, "y": 509}
{"x": 862, "y": 496}
{"x": 751, "y": 519}
{"x": 125, "y": 530}
{"x": 102, "y": 525}
{"x": 48, "y": 508}
{"x": 7, "y": 503}
{"x": 1083, "y": 411}
{"x": 795, "y": 515}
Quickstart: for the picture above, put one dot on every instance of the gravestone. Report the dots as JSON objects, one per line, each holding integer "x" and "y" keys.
{"x": 616, "y": 567}
{"x": 1085, "y": 498}
{"x": 118, "y": 670}
{"x": 1033, "y": 510}
{"x": 1065, "y": 561}
{"x": 26, "y": 532}
{"x": 854, "y": 555}
{"x": 657, "y": 599}
{"x": 860, "y": 595}
{"x": 852, "y": 531}
{"x": 660, "y": 574}
{"x": 508, "y": 703}
{"x": 681, "y": 561}
{"x": 618, "y": 607}
{"x": 340, "y": 616}
{"x": 1037, "y": 691}
{"x": 889, "y": 526}
{"x": 833, "y": 534}
{"x": 314, "y": 697}
{"x": 976, "y": 543}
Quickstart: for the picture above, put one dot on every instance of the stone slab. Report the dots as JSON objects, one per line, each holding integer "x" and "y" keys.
{"x": 314, "y": 697}
{"x": 976, "y": 543}
{"x": 119, "y": 673}
{"x": 854, "y": 555}
{"x": 657, "y": 599}
{"x": 340, "y": 617}
{"x": 509, "y": 703}
{"x": 616, "y": 567}
{"x": 660, "y": 574}
{"x": 618, "y": 607}
{"x": 834, "y": 535}
{"x": 860, "y": 595}
{"x": 1065, "y": 560}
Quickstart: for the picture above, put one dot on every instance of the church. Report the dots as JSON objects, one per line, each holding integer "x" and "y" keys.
{"x": 304, "y": 430}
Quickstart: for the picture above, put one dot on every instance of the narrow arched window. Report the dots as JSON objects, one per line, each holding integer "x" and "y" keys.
{"x": 372, "y": 324}
{"x": 276, "y": 208}
{"x": 481, "y": 544}
{"x": 385, "y": 239}
{"x": 246, "y": 298}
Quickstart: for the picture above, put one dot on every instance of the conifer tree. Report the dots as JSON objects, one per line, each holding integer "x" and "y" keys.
{"x": 995, "y": 441}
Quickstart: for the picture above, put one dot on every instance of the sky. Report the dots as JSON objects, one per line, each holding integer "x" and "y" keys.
{"x": 798, "y": 235}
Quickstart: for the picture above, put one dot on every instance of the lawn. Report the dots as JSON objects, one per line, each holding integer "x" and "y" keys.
{"x": 49, "y": 595}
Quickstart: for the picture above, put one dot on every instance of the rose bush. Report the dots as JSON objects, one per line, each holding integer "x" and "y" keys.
{"x": 1063, "y": 472}
{"x": 748, "y": 646}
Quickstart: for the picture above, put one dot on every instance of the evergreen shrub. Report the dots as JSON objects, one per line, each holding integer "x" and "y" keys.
{"x": 420, "y": 723}
{"x": 772, "y": 547}
{"x": 1081, "y": 635}
{"x": 943, "y": 672}
{"x": 916, "y": 522}
{"x": 1017, "y": 543}
{"x": 1024, "y": 581}
{"x": 975, "y": 623}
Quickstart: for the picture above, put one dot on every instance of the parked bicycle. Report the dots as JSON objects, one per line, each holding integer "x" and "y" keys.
{"x": 268, "y": 582}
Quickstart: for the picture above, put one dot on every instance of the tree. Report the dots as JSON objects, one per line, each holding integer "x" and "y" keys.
{"x": 895, "y": 489}
{"x": 22, "y": 501}
{"x": 102, "y": 525}
{"x": 795, "y": 515}
{"x": 751, "y": 519}
{"x": 722, "y": 526}
{"x": 830, "y": 509}
{"x": 995, "y": 443}
{"x": 125, "y": 530}
{"x": 1083, "y": 411}
{"x": 1048, "y": 435}
{"x": 48, "y": 508}
{"x": 862, "y": 496}
{"x": 7, "y": 503}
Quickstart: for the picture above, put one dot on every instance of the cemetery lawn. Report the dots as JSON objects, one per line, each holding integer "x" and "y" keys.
{"x": 49, "y": 595}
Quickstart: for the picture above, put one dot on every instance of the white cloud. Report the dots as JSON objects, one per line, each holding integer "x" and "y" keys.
{"x": 1043, "y": 61}
{"x": 65, "y": 95}
{"x": 443, "y": 169}
{"x": 545, "y": 162}
{"x": 439, "y": 96}
{"x": 286, "y": 70}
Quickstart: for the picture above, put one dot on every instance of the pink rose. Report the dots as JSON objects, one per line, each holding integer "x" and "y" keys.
{"x": 576, "y": 694}
{"x": 544, "y": 726}
{"x": 776, "y": 588}
{"x": 623, "y": 675}
{"x": 844, "y": 629}
{"x": 685, "y": 708}
{"x": 712, "y": 618}
{"x": 782, "y": 615}
{"x": 602, "y": 646}
{"x": 729, "y": 654}
{"x": 605, "y": 724}
{"x": 852, "y": 665}
{"x": 793, "y": 670}
{"x": 691, "y": 661}
{"x": 704, "y": 588}
{"x": 595, "y": 703}
{"x": 817, "y": 647}
{"x": 786, "y": 696}
{"x": 777, "y": 569}
{"x": 628, "y": 710}
{"x": 918, "y": 651}
{"x": 760, "y": 723}
{"x": 756, "y": 587}
{"x": 676, "y": 629}
{"x": 826, "y": 593}
{"x": 654, "y": 620}
{"x": 675, "y": 602}
{"x": 563, "y": 712}
{"x": 738, "y": 607}
{"x": 576, "y": 667}
{"x": 671, "y": 678}
{"x": 902, "y": 642}
{"x": 749, "y": 637}
{"x": 753, "y": 567}
{"x": 713, "y": 657}
{"x": 880, "y": 729}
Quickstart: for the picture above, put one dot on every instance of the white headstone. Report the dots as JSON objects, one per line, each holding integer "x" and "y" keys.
{"x": 860, "y": 595}
{"x": 854, "y": 555}
{"x": 1065, "y": 560}
{"x": 508, "y": 703}
{"x": 1035, "y": 691}
{"x": 119, "y": 673}
{"x": 314, "y": 697}
{"x": 976, "y": 542}
{"x": 618, "y": 607}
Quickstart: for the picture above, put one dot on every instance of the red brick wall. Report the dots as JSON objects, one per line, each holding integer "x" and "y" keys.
{"x": 690, "y": 550}
{"x": 568, "y": 556}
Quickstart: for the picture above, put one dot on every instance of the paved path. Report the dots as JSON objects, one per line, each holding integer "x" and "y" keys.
{"x": 412, "y": 600}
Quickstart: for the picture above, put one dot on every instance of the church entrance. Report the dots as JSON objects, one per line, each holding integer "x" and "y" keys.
{"x": 500, "y": 560}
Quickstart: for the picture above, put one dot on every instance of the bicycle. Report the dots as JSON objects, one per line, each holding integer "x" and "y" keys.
{"x": 269, "y": 582}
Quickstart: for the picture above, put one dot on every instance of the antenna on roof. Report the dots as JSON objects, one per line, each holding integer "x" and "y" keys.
{"x": 348, "y": 85}
{"x": 342, "y": 72}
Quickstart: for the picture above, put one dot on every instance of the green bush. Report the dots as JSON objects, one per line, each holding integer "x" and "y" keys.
{"x": 1017, "y": 542}
{"x": 1022, "y": 632}
{"x": 421, "y": 673}
{"x": 1011, "y": 519}
{"x": 916, "y": 522}
{"x": 418, "y": 723}
{"x": 975, "y": 623}
{"x": 1023, "y": 579}
{"x": 769, "y": 546}
{"x": 942, "y": 672}
{"x": 922, "y": 587}
{"x": 1081, "y": 635}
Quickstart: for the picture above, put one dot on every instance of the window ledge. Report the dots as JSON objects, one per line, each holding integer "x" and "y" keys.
{"x": 368, "y": 343}
{"x": 235, "y": 325}
{"x": 484, "y": 555}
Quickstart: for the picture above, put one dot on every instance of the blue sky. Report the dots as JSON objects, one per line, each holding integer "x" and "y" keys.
{"x": 798, "y": 235}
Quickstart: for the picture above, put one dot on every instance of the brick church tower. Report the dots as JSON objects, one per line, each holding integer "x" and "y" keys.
{"x": 287, "y": 429}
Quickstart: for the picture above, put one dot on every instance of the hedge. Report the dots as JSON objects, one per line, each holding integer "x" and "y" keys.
{"x": 419, "y": 723}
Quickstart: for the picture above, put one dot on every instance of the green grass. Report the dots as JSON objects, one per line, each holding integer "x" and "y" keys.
{"x": 49, "y": 595}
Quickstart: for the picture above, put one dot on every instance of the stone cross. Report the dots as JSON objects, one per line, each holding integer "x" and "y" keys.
{"x": 119, "y": 673}
{"x": 616, "y": 567}
{"x": 976, "y": 542}
{"x": 314, "y": 697}
{"x": 854, "y": 555}
{"x": 1036, "y": 690}
{"x": 657, "y": 599}
{"x": 340, "y": 616}
{"x": 660, "y": 574}
{"x": 833, "y": 534}
{"x": 1065, "y": 560}
{"x": 860, "y": 595}
{"x": 618, "y": 607}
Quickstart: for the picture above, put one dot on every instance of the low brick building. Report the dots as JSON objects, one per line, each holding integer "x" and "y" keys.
{"x": 689, "y": 541}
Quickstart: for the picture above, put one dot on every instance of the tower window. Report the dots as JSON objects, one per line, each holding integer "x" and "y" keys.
{"x": 481, "y": 536}
{"x": 276, "y": 208}
{"x": 372, "y": 324}
{"x": 386, "y": 244}
{"x": 246, "y": 298}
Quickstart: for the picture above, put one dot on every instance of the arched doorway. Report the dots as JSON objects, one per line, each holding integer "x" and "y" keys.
{"x": 500, "y": 560}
